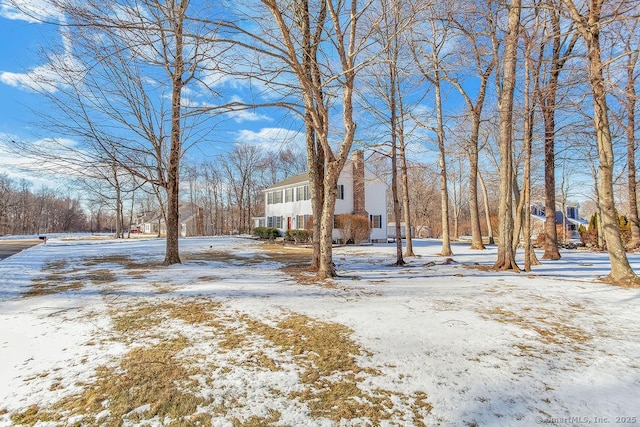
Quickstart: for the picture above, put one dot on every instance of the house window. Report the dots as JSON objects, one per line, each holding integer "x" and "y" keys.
{"x": 302, "y": 192}
{"x": 274, "y": 197}
{"x": 376, "y": 221}
{"x": 274, "y": 221}
{"x": 288, "y": 195}
{"x": 301, "y": 221}
{"x": 571, "y": 213}
{"x": 340, "y": 192}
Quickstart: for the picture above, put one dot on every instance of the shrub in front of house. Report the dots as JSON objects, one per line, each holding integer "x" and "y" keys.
{"x": 353, "y": 228}
{"x": 266, "y": 232}
{"x": 298, "y": 236}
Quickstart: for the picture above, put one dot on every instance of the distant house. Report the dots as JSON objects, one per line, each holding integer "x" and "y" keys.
{"x": 191, "y": 219}
{"x": 287, "y": 204}
{"x": 571, "y": 217}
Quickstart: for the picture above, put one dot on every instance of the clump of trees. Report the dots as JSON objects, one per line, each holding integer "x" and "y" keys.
{"x": 591, "y": 236}
{"x": 25, "y": 212}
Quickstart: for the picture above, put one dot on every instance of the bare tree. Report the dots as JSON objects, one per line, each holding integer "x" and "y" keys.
{"x": 625, "y": 93}
{"x": 589, "y": 24}
{"x": 506, "y": 255}
{"x": 385, "y": 85}
{"x": 531, "y": 83}
{"x": 111, "y": 90}
{"x": 562, "y": 44}
{"x": 241, "y": 166}
{"x": 428, "y": 53}
{"x": 299, "y": 43}
{"x": 479, "y": 38}
{"x": 630, "y": 107}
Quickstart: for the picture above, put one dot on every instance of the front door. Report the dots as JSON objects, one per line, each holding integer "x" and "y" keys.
{"x": 288, "y": 223}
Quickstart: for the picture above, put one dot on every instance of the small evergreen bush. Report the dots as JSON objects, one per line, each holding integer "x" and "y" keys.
{"x": 269, "y": 233}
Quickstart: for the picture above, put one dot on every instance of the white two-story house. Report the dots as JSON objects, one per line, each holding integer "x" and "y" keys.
{"x": 287, "y": 204}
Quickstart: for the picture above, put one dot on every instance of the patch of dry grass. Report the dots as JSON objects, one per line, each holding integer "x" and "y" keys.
{"x": 255, "y": 421}
{"x": 136, "y": 318}
{"x": 33, "y": 415}
{"x": 150, "y": 382}
{"x": 49, "y": 287}
{"x": 58, "y": 278}
{"x": 163, "y": 373}
{"x": 124, "y": 260}
{"x": 201, "y": 311}
{"x": 551, "y": 328}
{"x": 327, "y": 357}
{"x": 62, "y": 277}
{"x": 219, "y": 256}
{"x": 295, "y": 260}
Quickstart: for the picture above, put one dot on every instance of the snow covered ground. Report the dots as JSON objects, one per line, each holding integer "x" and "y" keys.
{"x": 86, "y": 325}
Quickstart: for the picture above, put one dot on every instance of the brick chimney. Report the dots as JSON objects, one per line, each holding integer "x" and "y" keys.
{"x": 358, "y": 183}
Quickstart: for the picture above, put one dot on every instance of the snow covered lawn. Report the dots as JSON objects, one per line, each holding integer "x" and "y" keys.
{"x": 98, "y": 332}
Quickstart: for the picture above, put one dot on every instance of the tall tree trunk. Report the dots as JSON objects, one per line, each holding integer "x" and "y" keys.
{"x": 442, "y": 161}
{"x": 133, "y": 201}
{"x": 487, "y": 210}
{"x": 326, "y": 269}
{"x": 548, "y": 105}
{"x": 530, "y": 73}
{"x": 394, "y": 157}
{"x": 476, "y": 232}
{"x": 344, "y": 47}
{"x": 518, "y": 215}
{"x": 630, "y": 106}
{"x": 396, "y": 204}
{"x": 316, "y": 189}
{"x": 118, "y": 209}
{"x": 406, "y": 208}
{"x": 315, "y": 155}
{"x": 506, "y": 256}
{"x": 589, "y": 27}
{"x": 404, "y": 177}
{"x": 550, "y": 231}
{"x": 172, "y": 254}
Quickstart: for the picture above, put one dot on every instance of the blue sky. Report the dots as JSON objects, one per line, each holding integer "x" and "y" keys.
{"x": 18, "y": 53}
{"x": 19, "y": 56}
{"x": 24, "y": 40}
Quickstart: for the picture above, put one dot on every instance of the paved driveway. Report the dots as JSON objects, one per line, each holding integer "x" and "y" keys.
{"x": 13, "y": 246}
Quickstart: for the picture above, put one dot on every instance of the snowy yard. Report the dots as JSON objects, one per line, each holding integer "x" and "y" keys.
{"x": 97, "y": 332}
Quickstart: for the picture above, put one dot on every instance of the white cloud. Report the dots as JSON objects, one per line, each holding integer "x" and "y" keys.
{"x": 271, "y": 138}
{"x": 247, "y": 116}
{"x": 43, "y": 77}
{"x": 33, "y": 11}
{"x": 45, "y": 158}
{"x": 36, "y": 79}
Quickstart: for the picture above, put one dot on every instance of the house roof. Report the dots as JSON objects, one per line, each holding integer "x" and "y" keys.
{"x": 295, "y": 179}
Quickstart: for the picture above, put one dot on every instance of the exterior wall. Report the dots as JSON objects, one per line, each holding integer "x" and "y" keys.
{"x": 573, "y": 220}
{"x": 375, "y": 202}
